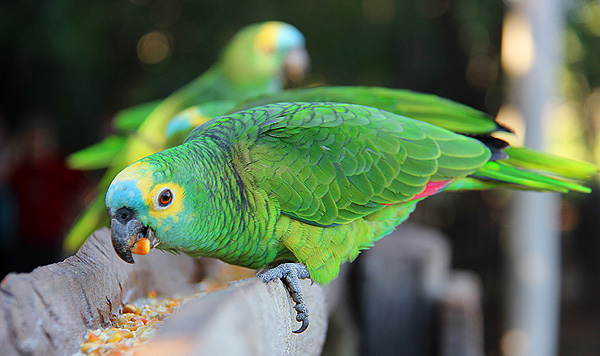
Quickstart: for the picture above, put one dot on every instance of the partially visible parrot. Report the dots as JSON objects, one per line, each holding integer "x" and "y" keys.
{"x": 302, "y": 187}
{"x": 258, "y": 60}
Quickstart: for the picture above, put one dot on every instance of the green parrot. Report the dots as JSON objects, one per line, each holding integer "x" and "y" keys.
{"x": 303, "y": 187}
{"x": 258, "y": 60}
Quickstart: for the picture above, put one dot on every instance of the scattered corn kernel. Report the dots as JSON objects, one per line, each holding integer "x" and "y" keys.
{"x": 89, "y": 346}
{"x": 128, "y": 308}
{"x": 116, "y": 338}
{"x": 128, "y": 335}
{"x": 141, "y": 319}
{"x": 134, "y": 327}
{"x": 92, "y": 336}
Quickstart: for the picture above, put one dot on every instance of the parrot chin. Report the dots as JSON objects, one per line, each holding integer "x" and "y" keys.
{"x": 126, "y": 230}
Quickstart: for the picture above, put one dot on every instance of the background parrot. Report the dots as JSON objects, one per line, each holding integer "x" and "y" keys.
{"x": 313, "y": 183}
{"x": 430, "y": 108}
{"x": 257, "y": 60}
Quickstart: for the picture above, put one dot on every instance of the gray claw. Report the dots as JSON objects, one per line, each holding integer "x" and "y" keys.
{"x": 290, "y": 274}
{"x": 303, "y": 327}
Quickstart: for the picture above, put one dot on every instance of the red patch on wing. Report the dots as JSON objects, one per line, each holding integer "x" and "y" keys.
{"x": 430, "y": 189}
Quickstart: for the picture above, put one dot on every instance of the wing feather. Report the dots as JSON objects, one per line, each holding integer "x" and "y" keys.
{"x": 332, "y": 163}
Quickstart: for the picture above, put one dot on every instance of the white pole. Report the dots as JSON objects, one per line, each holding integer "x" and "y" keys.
{"x": 533, "y": 246}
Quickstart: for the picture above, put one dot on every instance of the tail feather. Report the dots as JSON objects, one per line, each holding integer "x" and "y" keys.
{"x": 547, "y": 162}
{"x": 504, "y": 173}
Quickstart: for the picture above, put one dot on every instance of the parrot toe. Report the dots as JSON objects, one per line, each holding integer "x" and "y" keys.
{"x": 290, "y": 274}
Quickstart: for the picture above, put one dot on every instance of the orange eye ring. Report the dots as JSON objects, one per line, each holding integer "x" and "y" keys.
{"x": 165, "y": 198}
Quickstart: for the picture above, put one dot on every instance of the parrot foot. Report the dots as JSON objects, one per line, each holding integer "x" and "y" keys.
{"x": 290, "y": 274}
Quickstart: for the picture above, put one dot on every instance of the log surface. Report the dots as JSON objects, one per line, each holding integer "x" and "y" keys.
{"x": 249, "y": 318}
{"x": 48, "y": 311}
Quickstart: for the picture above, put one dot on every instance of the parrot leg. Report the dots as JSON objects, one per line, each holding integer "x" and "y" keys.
{"x": 290, "y": 274}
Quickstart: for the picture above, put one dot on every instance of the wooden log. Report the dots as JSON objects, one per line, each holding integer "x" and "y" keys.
{"x": 249, "y": 318}
{"x": 48, "y": 311}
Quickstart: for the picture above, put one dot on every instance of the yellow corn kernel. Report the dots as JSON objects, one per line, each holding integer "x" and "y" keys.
{"x": 89, "y": 346}
{"x": 141, "y": 247}
{"x": 128, "y": 308}
{"x": 116, "y": 338}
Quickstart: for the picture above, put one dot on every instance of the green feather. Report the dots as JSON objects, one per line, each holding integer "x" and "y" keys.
{"x": 535, "y": 160}
{"x": 507, "y": 174}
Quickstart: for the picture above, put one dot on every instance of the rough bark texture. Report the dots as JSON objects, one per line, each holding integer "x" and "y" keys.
{"x": 249, "y": 318}
{"x": 47, "y": 311}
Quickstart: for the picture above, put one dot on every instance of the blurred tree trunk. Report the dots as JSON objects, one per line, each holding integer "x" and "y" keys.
{"x": 531, "y": 56}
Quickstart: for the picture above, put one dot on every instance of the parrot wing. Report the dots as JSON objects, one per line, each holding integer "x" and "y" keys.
{"x": 430, "y": 108}
{"x": 331, "y": 163}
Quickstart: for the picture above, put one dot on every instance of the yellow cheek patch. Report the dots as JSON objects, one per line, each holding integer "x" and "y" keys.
{"x": 172, "y": 210}
{"x": 137, "y": 172}
{"x": 265, "y": 40}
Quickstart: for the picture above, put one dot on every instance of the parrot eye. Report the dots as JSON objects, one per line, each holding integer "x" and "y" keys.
{"x": 165, "y": 198}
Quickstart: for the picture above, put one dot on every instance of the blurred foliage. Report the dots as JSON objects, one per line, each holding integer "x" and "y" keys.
{"x": 77, "y": 63}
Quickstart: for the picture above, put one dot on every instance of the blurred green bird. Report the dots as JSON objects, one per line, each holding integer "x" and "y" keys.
{"x": 259, "y": 59}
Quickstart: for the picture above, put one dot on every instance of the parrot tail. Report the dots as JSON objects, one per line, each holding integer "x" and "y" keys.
{"x": 527, "y": 169}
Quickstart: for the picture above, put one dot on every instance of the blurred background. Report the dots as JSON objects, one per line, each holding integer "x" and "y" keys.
{"x": 68, "y": 66}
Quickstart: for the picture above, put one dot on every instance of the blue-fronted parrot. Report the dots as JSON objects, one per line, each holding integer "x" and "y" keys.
{"x": 258, "y": 60}
{"x": 303, "y": 187}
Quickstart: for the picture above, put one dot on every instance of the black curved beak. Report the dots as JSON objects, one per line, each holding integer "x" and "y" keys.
{"x": 125, "y": 231}
{"x": 296, "y": 65}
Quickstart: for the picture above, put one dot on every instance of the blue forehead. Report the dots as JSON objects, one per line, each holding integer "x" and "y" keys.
{"x": 289, "y": 37}
{"x": 124, "y": 193}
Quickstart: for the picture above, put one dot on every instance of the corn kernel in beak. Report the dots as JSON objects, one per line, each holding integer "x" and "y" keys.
{"x": 141, "y": 247}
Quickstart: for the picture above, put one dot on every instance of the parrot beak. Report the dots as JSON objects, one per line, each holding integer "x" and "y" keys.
{"x": 296, "y": 65}
{"x": 129, "y": 235}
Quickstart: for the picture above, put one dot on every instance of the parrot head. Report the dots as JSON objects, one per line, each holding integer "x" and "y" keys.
{"x": 145, "y": 202}
{"x": 268, "y": 51}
